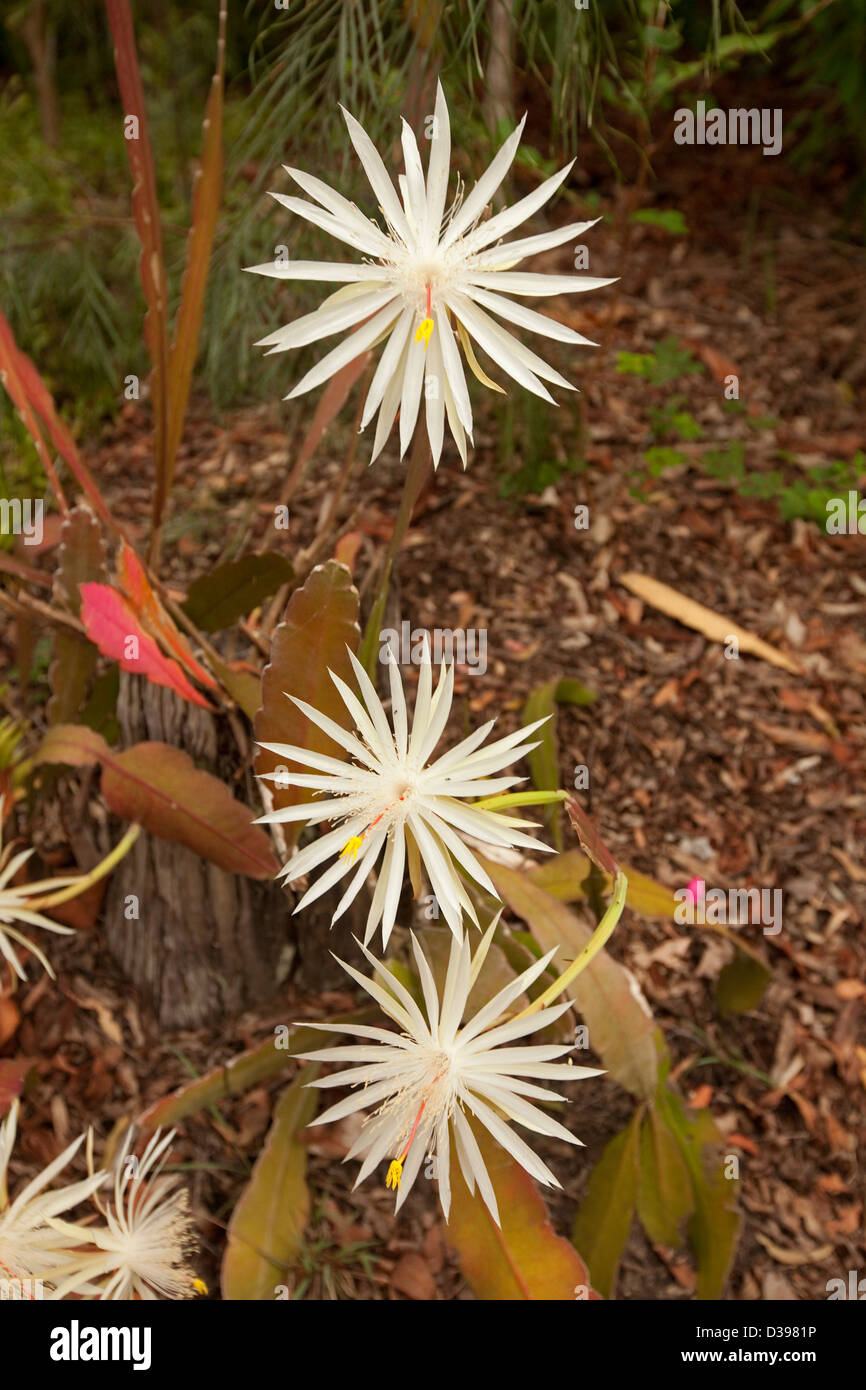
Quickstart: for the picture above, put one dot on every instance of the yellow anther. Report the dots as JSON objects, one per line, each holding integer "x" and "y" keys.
{"x": 423, "y": 331}
{"x": 351, "y": 847}
{"x": 200, "y": 1286}
{"x": 395, "y": 1173}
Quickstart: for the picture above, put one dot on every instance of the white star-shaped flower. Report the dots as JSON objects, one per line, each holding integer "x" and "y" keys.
{"x": 14, "y": 906}
{"x": 422, "y": 1082}
{"x": 426, "y": 275}
{"x": 391, "y": 794}
{"x": 143, "y": 1251}
{"x": 30, "y": 1247}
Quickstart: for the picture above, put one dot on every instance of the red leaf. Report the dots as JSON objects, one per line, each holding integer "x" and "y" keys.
{"x": 136, "y": 585}
{"x": 30, "y": 394}
{"x": 111, "y": 622}
{"x": 162, "y": 789}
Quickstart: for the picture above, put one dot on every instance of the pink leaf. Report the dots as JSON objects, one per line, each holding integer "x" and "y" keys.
{"x": 113, "y": 626}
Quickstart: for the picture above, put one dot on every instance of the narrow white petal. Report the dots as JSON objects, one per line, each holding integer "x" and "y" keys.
{"x": 346, "y": 352}
{"x": 510, "y": 252}
{"x": 484, "y": 189}
{"x": 526, "y": 318}
{"x": 390, "y": 402}
{"x": 327, "y": 319}
{"x": 454, "y": 374}
{"x": 370, "y": 241}
{"x": 522, "y": 282}
{"x": 317, "y": 270}
{"x": 415, "y": 192}
{"x": 387, "y": 365}
{"x": 434, "y": 398}
{"x": 487, "y": 334}
{"x": 371, "y": 162}
{"x": 413, "y": 379}
{"x": 470, "y": 1153}
{"x": 438, "y": 167}
{"x": 509, "y": 218}
{"x": 346, "y": 212}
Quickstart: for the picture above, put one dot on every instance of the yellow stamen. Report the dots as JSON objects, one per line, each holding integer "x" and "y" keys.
{"x": 200, "y": 1286}
{"x": 423, "y": 332}
{"x": 351, "y": 847}
{"x": 395, "y": 1173}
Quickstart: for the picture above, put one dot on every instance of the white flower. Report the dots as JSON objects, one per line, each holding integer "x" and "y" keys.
{"x": 392, "y": 794}
{"x": 30, "y": 1247}
{"x": 14, "y": 905}
{"x": 144, "y": 1249}
{"x": 427, "y": 1077}
{"x": 426, "y": 269}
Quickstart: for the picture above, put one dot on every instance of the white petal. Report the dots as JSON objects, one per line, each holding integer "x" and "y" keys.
{"x": 339, "y": 357}
{"x": 487, "y": 334}
{"x": 317, "y": 270}
{"x": 438, "y": 167}
{"x": 509, "y": 218}
{"x": 522, "y": 282}
{"x": 484, "y": 189}
{"x": 453, "y": 370}
{"x": 415, "y": 192}
{"x": 377, "y": 174}
{"x": 434, "y": 398}
{"x": 470, "y": 1154}
{"x": 410, "y": 400}
{"x": 509, "y": 252}
{"x": 387, "y": 365}
{"x": 330, "y": 318}
{"x": 369, "y": 241}
{"x": 527, "y": 318}
{"x": 390, "y": 402}
{"x": 342, "y": 209}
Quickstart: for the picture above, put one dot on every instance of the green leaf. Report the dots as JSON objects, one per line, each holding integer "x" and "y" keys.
{"x": 665, "y": 1195}
{"x": 662, "y": 456}
{"x": 605, "y": 1215}
{"x": 266, "y": 1232}
{"x": 233, "y": 590}
{"x": 741, "y": 984}
{"x": 714, "y": 1228}
{"x": 573, "y": 692}
{"x": 244, "y": 687}
{"x": 321, "y": 621}
{"x": 524, "y": 1259}
{"x": 667, "y": 219}
{"x": 544, "y": 760}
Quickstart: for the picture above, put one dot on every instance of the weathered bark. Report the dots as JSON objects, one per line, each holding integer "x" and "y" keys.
{"x": 206, "y": 943}
{"x": 498, "y": 103}
{"x": 41, "y": 39}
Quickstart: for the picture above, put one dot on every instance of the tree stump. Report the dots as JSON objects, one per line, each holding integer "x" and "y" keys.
{"x": 205, "y": 943}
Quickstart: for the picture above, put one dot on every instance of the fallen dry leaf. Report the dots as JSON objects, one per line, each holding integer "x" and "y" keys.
{"x": 411, "y": 1276}
{"x": 794, "y": 1257}
{"x": 711, "y": 625}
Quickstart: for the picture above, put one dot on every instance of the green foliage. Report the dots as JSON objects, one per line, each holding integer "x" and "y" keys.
{"x": 725, "y": 463}
{"x": 668, "y": 362}
{"x": 671, "y": 419}
{"x": 667, "y": 220}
